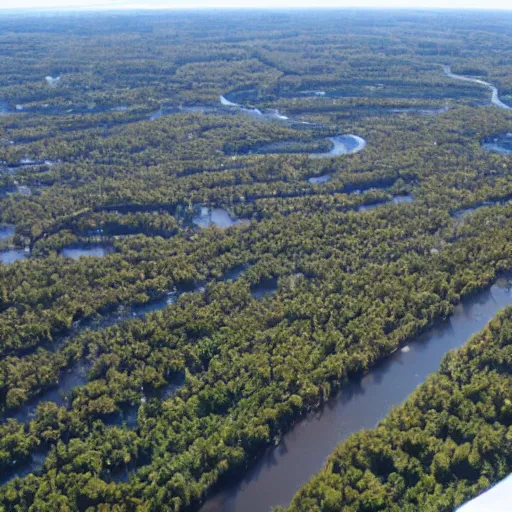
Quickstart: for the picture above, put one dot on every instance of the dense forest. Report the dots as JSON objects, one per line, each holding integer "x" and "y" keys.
{"x": 360, "y": 203}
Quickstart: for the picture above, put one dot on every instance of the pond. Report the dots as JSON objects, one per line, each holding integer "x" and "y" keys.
{"x": 234, "y": 273}
{"x": 500, "y": 144}
{"x": 318, "y": 180}
{"x": 97, "y": 251}
{"x": 361, "y": 404}
{"x": 72, "y": 252}
{"x": 215, "y": 217}
{"x": 11, "y": 255}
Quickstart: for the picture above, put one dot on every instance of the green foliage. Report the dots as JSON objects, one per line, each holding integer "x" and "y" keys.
{"x": 352, "y": 285}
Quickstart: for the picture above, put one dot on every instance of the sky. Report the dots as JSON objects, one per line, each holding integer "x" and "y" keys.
{"x": 237, "y": 4}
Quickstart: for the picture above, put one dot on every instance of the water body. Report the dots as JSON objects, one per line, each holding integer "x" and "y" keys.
{"x": 157, "y": 115}
{"x": 26, "y": 163}
{"x": 421, "y": 111}
{"x": 11, "y": 255}
{"x": 77, "y": 374}
{"x": 51, "y": 81}
{"x": 389, "y": 90}
{"x": 500, "y": 144}
{"x": 34, "y": 466}
{"x": 459, "y": 215}
{"x": 6, "y": 231}
{"x": 318, "y": 180}
{"x": 395, "y": 200}
{"x": 265, "y": 288}
{"x": 402, "y": 199}
{"x": 316, "y": 94}
{"x": 339, "y": 145}
{"x": 234, "y": 273}
{"x": 60, "y": 394}
{"x": 361, "y": 404}
{"x": 217, "y": 217}
{"x": 360, "y": 89}
{"x": 97, "y": 251}
{"x": 226, "y": 103}
{"x": 495, "y": 100}
{"x": 251, "y": 110}
{"x": 342, "y": 145}
{"x": 277, "y": 115}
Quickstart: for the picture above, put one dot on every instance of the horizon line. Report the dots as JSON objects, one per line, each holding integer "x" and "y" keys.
{"x": 103, "y": 8}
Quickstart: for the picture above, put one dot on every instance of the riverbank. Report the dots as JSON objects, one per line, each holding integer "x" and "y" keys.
{"x": 360, "y": 404}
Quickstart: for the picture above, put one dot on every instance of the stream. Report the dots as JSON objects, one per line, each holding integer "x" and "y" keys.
{"x": 362, "y": 403}
{"x": 495, "y": 100}
{"x": 340, "y": 144}
{"x": 77, "y": 374}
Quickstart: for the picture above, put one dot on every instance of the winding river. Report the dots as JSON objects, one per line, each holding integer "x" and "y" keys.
{"x": 340, "y": 144}
{"x": 495, "y": 100}
{"x": 280, "y": 472}
{"x": 283, "y": 469}
{"x": 77, "y": 375}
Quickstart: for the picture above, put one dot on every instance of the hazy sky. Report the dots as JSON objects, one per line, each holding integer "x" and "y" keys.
{"x": 180, "y": 4}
